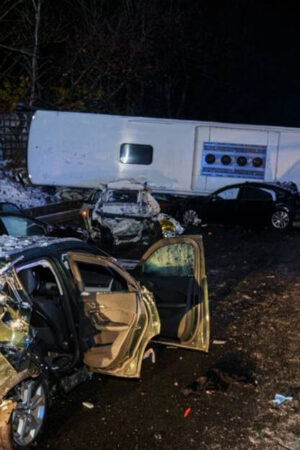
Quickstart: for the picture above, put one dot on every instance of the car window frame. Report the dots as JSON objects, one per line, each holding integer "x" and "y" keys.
{"x": 259, "y": 189}
{"x": 228, "y": 188}
{"x": 25, "y": 218}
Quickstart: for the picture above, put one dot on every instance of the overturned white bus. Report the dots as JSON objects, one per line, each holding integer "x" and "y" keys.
{"x": 173, "y": 156}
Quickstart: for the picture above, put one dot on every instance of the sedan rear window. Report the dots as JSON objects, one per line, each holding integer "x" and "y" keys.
{"x": 21, "y": 226}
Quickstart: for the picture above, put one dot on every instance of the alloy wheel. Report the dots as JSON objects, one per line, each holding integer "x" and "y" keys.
{"x": 29, "y": 414}
{"x": 280, "y": 219}
{"x": 190, "y": 217}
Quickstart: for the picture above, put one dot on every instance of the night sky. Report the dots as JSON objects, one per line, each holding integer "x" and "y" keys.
{"x": 232, "y": 61}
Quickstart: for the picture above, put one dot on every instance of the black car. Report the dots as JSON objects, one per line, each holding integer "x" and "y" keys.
{"x": 67, "y": 309}
{"x": 14, "y": 223}
{"x": 8, "y": 207}
{"x": 249, "y": 203}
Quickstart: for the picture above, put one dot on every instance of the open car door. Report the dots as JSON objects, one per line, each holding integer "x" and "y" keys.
{"x": 122, "y": 319}
{"x": 174, "y": 271}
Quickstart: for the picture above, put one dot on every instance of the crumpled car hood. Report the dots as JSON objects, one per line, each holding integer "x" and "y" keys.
{"x": 15, "y": 312}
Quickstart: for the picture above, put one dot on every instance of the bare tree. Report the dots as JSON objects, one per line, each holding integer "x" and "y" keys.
{"x": 27, "y": 28}
{"x": 34, "y": 59}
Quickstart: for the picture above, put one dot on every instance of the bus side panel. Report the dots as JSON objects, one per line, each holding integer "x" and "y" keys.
{"x": 228, "y": 155}
{"x": 83, "y": 150}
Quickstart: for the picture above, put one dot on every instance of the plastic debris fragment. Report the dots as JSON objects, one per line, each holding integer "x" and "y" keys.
{"x": 187, "y": 412}
{"x": 88, "y": 405}
{"x": 278, "y": 399}
{"x": 219, "y": 342}
{"x": 148, "y": 353}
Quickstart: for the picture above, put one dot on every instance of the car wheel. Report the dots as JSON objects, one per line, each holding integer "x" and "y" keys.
{"x": 190, "y": 218}
{"x": 280, "y": 219}
{"x": 29, "y": 415}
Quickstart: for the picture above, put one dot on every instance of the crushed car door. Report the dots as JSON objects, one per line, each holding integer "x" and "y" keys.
{"x": 123, "y": 319}
{"x": 174, "y": 270}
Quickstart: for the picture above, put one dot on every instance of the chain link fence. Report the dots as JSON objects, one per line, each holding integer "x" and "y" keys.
{"x": 14, "y": 130}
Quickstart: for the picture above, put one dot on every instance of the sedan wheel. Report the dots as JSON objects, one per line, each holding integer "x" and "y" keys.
{"x": 190, "y": 217}
{"x": 280, "y": 219}
{"x": 29, "y": 414}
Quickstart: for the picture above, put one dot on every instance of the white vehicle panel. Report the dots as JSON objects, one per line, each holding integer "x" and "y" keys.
{"x": 83, "y": 150}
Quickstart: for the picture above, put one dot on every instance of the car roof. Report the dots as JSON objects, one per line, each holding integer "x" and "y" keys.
{"x": 265, "y": 184}
{"x": 40, "y": 246}
{"x": 8, "y": 205}
{"x": 17, "y": 214}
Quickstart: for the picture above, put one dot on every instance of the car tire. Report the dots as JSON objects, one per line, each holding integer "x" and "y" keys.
{"x": 280, "y": 220}
{"x": 28, "y": 418}
{"x": 189, "y": 218}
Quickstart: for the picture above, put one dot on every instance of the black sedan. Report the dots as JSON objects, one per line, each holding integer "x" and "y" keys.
{"x": 14, "y": 223}
{"x": 250, "y": 203}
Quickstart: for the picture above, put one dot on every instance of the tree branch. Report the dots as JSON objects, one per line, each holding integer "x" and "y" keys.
{"x": 10, "y": 9}
{"x": 18, "y": 50}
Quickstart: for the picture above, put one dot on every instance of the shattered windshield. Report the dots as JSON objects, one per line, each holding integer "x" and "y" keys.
{"x": 122, "y": 197}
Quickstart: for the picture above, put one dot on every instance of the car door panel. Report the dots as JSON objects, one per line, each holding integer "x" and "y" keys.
{"x": 222, "y": 206}
{"x": 115, "y": 314}
{"x": 171, "y": 303}
{"x": 113, "y": 311}
{"x": 124, "y": 322}
{"x": 255, "y": 205}
{"x": 178, "y": 282}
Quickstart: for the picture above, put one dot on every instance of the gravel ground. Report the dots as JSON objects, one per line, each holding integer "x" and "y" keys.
{"x": 254, "y": 281}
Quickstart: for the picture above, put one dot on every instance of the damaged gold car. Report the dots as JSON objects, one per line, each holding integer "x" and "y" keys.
{"x": 67, "y": 310}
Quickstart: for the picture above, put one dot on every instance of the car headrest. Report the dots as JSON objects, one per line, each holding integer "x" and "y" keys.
{"x": 28, "y": 280}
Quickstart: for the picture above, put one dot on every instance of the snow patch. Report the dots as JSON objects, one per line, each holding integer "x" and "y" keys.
{"x": 23, "y": 196}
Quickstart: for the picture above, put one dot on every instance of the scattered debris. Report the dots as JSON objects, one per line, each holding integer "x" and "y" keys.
{"x": 126, "y": 212}
{"x": 14, "y": 189}
{"x": 148, "y": 353}
{"x": 232, "y": 368}
{"x": 278, "y": 399}
{"x": 23, "y": 196}
{"x": 158, "y": 436}
{"x": 187, "y": 412}
{"x": 88, "y": 405}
